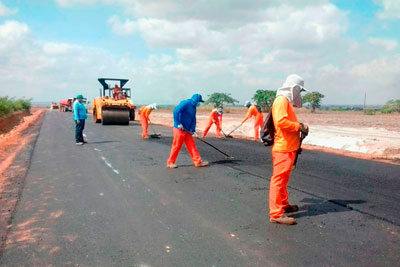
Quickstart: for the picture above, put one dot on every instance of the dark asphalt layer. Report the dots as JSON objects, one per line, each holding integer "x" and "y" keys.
{"x": 112, "y": 202}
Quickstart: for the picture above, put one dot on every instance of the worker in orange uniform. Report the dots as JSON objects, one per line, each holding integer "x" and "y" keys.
{"x": 117, "y": 90}
{"x": 144, "y": 114}
{"x": 284, "y": 149}
{"x": 183, "y": 131}
{"x": 215, "y": 118}
{"x": 254, "y": 110}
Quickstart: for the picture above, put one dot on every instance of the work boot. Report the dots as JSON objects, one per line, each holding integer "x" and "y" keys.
{"x": 145, "y": 137}
{"x": 283, "y": 220}
{"x": 291, "y": 208}
{"x": 203, "y": 164}
{"x": 172, "y": 166}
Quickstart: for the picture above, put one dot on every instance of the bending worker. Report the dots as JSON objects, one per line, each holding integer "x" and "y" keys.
{"x": 79, "y": 117}
{"x": 284, "y": 149}
{"x": 255, "y": 111}
{"x": 144, "y": 114}
{"x": 184, "y": 128}
{"x": 215, "y": 118}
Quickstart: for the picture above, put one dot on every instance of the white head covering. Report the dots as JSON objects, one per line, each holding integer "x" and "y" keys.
{"x": 291, "y": 89}
{"x": 153, "y": 106}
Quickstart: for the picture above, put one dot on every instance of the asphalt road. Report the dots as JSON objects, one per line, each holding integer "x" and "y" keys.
{"x": 112, "y": 202}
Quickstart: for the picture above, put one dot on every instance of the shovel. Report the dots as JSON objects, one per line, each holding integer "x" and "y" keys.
{"x": 154, "y": 134}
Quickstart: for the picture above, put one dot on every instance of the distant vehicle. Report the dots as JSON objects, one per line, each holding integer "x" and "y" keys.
{"x": 66, "y": 105}
{"x": 114, "y": 105}
{"x": 53, "y": 105}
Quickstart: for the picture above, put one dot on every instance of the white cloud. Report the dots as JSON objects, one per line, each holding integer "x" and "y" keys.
{"x": 12, "y": 33}
{"x": 387, "y": 44}
{"x": 5, "y": 11}
{"x": 391, "y": 9}
{"x": 123, "y": 28}
{"x": 233, "y": 46}
{"x": 70, "y": 3}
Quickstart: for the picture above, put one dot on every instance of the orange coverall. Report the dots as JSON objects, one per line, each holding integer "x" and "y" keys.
{"x": 144, "y": 113}
{"x": 258, "y": 122}
{"x": 181, "y": 137}
{"x": 214, "y": 118}
{"x": 116, "y": 92}
{"x": 286, "y": 143}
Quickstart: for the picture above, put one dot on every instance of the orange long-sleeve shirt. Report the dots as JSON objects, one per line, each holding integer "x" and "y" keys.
{"x": 145, "y": 111}
{"x": 287, "y": 138}
{"x": 215, "y": 117}
{"x": 253, "y": 111}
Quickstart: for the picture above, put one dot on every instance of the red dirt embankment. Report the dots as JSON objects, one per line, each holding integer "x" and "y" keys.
{"x": 17, "y": 132}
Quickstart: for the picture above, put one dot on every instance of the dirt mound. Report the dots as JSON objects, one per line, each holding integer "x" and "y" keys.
{"x": 8, "y": 122}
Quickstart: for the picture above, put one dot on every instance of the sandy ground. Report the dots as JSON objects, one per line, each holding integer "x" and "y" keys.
{"x": 15, "y": 148}
{"x": 348, "y": 133}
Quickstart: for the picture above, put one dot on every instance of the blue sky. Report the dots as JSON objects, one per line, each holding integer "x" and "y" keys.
{"x": 53, "y": 49}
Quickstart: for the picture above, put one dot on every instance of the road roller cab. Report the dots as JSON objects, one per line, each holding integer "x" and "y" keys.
{"x": 114, "y": 106}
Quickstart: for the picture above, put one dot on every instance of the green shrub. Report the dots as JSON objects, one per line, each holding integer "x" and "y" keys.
{"x": 8, "y": 105}
{"x": 386, "y": 110}
{"x": 369, "y": 111}
{"x": 391, "y": 106}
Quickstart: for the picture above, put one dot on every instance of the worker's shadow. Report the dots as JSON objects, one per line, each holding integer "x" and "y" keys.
{"x": 315, "y": 207}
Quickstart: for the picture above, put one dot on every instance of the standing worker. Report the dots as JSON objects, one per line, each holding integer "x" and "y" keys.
{"x": 144, "y": 113}
{"x": 117, "y": 92}
{"x": 184, "y": 128}
{"x": 79, "y": 118}
{"x": 284, "y": 149}
{"x": 255, "y": 111}
{"x": 215, "y": 118}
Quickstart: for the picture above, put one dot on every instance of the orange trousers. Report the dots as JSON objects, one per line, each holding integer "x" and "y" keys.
{"x": 217, "y": 131}
{"x": 258, "y": 123}
{"x": 145, "y": 124}
{"x": 181, "y": 137}
{"x": 278, "y": 194}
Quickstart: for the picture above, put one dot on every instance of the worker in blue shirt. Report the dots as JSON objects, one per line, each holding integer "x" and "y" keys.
{"x": 184, "y": 128}
{"x": 79, "y": 118}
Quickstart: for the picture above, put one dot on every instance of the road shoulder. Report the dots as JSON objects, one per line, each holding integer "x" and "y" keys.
{"x": 15, "y": 163}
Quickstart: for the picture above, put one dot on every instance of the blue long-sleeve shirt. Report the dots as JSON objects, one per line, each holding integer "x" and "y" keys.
{"x": 185, "y": 113}
{"x": 79, "y": 111}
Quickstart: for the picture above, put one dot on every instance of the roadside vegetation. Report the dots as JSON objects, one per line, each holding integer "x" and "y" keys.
{"x": 8, "y": 105}
{"x": 264, "y": 99}
{"x": 391, "y": 106}
{"x": 219, "y": 99}
{"x": 313, "y": 99}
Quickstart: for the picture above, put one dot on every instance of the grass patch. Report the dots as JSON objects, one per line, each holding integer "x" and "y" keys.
{"x": 8, "y": 105}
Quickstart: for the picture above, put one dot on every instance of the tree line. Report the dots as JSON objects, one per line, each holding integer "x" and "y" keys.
{"x": 264, "y": 99}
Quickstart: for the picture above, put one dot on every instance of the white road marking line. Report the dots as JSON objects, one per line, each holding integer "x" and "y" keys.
{"x": 110, "y": 165}
{"x": 96, "y": 149}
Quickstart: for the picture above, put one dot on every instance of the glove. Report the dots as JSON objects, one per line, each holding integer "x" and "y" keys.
{"x": 304, "y": 129}
{"x": 180, "y": 126}
{"x": 195, "y": 135}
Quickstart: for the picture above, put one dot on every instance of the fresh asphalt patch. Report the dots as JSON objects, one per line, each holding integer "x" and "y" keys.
{"x": 113, "y": 202}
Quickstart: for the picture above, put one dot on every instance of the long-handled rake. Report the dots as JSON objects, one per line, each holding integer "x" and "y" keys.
{"x": 207, "y": 143}
{"x": 154, "y": 134}
{"x": 229, "y": 134}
